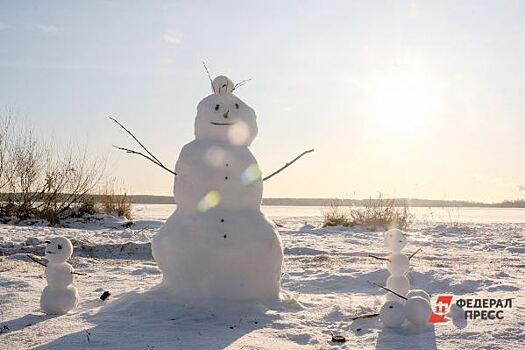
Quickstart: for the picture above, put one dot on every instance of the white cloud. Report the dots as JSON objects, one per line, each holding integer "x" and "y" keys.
{"x": 521, "y": 188}
{"x": 172, "y": 37}
{"x": 48, "y": 28}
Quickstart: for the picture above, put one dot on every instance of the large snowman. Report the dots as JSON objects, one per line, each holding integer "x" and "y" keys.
{"x": 217, "y": 244}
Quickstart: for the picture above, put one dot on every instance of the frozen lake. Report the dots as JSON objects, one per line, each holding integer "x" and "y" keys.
{"x": 313, "y": 214}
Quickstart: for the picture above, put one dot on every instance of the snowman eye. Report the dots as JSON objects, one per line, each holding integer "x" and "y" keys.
{"x": 237, "y": 106}
{"x": 59, "y": 246}
{"x": 217, "y": 107}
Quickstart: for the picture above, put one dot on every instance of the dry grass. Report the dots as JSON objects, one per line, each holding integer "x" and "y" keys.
{"x": 114, "y": 200}
{"x": 376, "y": 213}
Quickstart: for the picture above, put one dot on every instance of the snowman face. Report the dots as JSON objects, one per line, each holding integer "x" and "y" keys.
{"x": 58, "y": 250}
{"x": 395, "y": 240}
{"x": 225, "y": 117}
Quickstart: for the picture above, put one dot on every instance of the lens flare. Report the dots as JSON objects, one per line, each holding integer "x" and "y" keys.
{"x": 215, "y": 156}
{"x": 210, "y": 200}
{"x": 251, "y": 174}
{"x": 239, "y": 133}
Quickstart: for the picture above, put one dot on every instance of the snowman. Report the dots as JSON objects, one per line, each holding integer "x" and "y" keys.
{"x": 217, "y": 244}
{"x": 59, "y": 296}
{"x": 412, "y": 305}
{"x": 398, "y": 264}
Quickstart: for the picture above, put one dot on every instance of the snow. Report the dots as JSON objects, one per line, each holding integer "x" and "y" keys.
{"x": 324, "y": 284}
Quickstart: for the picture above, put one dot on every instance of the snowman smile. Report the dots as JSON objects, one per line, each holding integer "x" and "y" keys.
{"x": 216, "y": 123}
{"x": 50, "y": 252}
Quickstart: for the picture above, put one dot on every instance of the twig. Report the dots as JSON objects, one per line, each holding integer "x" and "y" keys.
{"x": 151, "y": 157}
{"x": 209, "y": 75}
{"x": 38, "y": 261}
{"x": 137, "y": 140}
{"x": 35, "y": 259}
{"x": 414, "y": 253}
{"x": 288, "y": 164}
{"x": 364, "y": 316}
{"x": 378, "y": 257}
{"x": 130, "y": 151}
{"x": 388, "y": 290}
{"x": 241, "y": 83}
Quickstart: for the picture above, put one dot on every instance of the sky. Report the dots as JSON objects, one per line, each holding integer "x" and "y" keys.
{"x": 420, "y": 99}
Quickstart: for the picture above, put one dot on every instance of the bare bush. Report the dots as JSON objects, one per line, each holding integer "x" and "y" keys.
{"x": 379, "y": 212}
{"x": 38, "y": 181}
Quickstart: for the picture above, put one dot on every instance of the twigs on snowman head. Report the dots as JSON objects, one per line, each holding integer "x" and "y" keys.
{"x": 388, "y": 290}
{"x": 287, "y": 164}
{"x": 150, "y": 155}
{"x": 209, "y": 76}
{"x": 40, "y": 262}
{"x": 241, "y": 83}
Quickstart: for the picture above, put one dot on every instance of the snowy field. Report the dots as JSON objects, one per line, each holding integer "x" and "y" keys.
{"x": 469, "y": 253}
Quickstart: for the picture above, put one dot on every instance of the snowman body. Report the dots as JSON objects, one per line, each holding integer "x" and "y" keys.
{"x": 59, "y": 296}
{"x": 218, "y": 244}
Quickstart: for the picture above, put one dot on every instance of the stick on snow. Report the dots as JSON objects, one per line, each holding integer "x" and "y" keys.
{"x": 364, "y": 316}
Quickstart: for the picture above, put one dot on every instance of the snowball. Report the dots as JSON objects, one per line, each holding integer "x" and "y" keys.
{"x": 456, "y": 313}
{"x": 392, "y": 314}
{"x": 398, "y": 264}
{"x": 58, "y": 250}
{"x": 418, "y": 310}
{"x": 58, "y": 301}
{"x": 398, "y": 284}
{"x": 395, "y": 240}
{"x": 222, "y": 85}
{"x": 59, "y": 275}
{"x": 418, "y": 293}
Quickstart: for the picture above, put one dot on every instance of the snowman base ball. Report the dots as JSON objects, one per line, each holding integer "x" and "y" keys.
{"x": 418, "y": 311}
{"x": 58, "y": 301}
{"x": 392, "y": 314}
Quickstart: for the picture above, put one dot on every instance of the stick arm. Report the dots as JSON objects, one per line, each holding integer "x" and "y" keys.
{"x": 287, "y": 164}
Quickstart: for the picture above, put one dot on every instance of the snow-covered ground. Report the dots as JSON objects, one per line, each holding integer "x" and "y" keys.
{"x": 325, "y": 283}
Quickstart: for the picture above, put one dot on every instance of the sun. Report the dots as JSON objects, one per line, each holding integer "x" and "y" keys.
{"x": 401, "y": 102}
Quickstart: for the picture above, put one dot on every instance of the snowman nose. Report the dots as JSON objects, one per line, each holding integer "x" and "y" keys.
{"x": 225, "y": 115}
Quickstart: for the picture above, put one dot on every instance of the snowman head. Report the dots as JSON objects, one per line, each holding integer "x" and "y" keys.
{"x": 395, "y": 240}
{"x": 58, "y": 250}
{"x": 222, "y": 116}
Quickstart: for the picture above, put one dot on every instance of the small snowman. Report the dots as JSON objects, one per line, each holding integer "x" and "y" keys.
{"x": 59, "y": 296}
{"x": 398, "y": 264}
